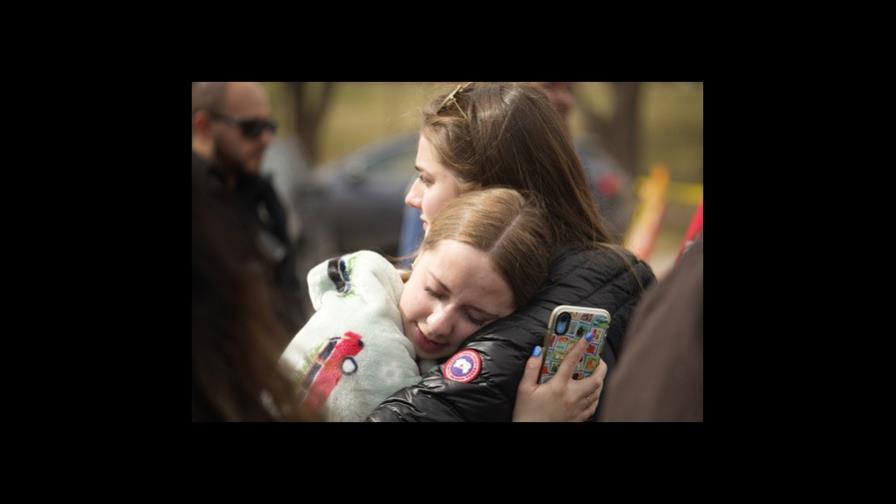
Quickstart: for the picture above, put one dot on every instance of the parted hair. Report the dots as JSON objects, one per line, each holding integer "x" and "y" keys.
{"x": 511, "y": 228}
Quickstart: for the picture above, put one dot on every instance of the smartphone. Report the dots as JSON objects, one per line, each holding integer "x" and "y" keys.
{"x": 567, "y": 325}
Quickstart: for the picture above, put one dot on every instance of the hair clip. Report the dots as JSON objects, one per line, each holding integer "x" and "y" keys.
{"x": 458, "y": 89}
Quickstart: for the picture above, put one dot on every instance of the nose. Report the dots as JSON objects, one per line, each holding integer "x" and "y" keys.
{"x": 414, "y": 195}
{"x": 441, "y": 323}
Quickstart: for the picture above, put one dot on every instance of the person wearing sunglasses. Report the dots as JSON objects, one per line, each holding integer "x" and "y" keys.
{"x": 231, "y": 130}
{"x": 232, "y": 126}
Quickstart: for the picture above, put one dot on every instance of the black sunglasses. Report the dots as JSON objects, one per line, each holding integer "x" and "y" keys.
{"x": 251, "y": 128}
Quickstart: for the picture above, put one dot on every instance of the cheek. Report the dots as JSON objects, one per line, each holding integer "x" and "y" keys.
{"x": 434, "y": 200}
{"x": 411, "y": 304}
{"x": 247, "y": 149}
{"x": 428, "y": 203}
{"x": 233, "y": 148}
{"x": 404, "y": 303}
{"x": 231, "y": 138}
{"x": 463, "y": 330}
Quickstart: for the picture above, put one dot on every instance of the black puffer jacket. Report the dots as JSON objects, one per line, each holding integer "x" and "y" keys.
{"x": 595, "y": 278}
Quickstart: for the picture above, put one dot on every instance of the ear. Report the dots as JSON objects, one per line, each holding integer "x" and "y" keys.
{"x": 202, "y": 123}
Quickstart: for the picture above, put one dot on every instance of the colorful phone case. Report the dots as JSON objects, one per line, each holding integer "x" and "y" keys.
{"x": 582, "y": 321}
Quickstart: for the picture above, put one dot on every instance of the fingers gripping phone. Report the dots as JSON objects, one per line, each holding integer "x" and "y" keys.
{"x": 567, "y": 325}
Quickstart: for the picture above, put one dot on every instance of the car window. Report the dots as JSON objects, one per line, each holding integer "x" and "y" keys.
{"x": 397, "y": 165}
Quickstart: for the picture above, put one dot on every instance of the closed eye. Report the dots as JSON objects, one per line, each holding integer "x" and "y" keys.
{"x": 485, "y": 319}
{"x": 433, "y": 293}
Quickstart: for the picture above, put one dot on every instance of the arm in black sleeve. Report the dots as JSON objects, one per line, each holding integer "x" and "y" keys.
{"x": 585, "y": 278}
{"x": 488, "y": 397}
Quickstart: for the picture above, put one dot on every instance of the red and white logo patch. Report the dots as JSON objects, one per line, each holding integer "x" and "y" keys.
{"x": 463, "y": 367}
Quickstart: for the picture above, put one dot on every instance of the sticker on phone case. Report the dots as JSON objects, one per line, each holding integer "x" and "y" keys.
{"x": 463, "y": 367}
{"x": 590, "y": 363}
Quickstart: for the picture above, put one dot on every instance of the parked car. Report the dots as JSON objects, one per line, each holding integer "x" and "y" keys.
{"x": 358, "y": 200}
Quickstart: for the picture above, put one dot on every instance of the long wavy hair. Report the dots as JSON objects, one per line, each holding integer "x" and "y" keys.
{"x": 237, "y": 339}
{"x": 509, "y": 135}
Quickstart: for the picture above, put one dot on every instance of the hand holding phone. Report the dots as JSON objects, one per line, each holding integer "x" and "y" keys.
{"x": 563, "y": 399}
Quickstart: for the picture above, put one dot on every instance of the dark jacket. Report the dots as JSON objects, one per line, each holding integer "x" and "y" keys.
{"x": 595, "y": 278}
{"x": 259, "y": 218}
{"x": 224, "y": 206}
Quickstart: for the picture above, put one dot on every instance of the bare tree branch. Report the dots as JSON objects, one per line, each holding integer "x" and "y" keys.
{"x": 309, "y": 112}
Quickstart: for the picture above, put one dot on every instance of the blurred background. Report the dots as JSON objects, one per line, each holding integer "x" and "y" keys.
{"x": 344, "y": 156}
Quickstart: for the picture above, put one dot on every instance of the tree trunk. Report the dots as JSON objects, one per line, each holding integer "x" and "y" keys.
{"x": 619, "y": 134}
{"x": 625, "y": 124}
{"x": 309, "y": 109}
